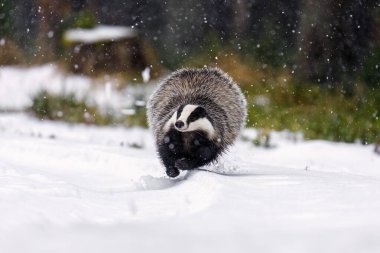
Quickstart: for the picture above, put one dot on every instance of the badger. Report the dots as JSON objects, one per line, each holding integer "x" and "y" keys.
{"x": 195, "y": 115}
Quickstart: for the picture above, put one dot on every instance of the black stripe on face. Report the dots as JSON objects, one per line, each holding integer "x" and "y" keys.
{"x": 198, "y": 113}
{"x": 179, "y": 111}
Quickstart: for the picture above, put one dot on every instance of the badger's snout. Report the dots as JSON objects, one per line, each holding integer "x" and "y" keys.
{"x": 179, "y": 124}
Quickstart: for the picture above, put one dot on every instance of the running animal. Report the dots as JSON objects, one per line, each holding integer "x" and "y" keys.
{"x": 195, "y": 115}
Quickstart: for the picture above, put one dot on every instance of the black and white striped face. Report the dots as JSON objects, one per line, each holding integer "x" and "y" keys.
{"x": 191, "y": 118}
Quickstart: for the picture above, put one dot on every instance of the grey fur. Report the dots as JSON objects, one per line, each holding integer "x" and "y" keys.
{"x": 209, "y": 87}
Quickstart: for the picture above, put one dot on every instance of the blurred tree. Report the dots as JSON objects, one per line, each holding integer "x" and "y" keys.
{"x": 148, "y": 16}
{"x": 241, "y": 16}
{"x": 50, "y": 15}
{"x": 118, "y": 12}
{"x": 78, "y": 5}
{"x": 334, "y": 40}
{"x": 24, "y": 25}
{"x": 10, "y": 53}
{"x": 271, "y": 35}
{"x": 6, "y": 8}
{"x": 220, "y": 17}
{"x": 371, "y": 69}
{"x": 183, "y": 27}
{"x": 324, "y": 41}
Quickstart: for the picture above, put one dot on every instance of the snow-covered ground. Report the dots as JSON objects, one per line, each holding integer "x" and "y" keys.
{"x": 18, "y": 86}
{"x": 77, "y": 188}
{"x": 66, "y": 188}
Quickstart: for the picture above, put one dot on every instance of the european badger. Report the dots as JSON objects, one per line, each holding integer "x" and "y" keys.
{"x": 195, "y": 114}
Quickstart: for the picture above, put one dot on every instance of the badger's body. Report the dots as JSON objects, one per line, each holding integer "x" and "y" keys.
{"x": 195, "y": 114}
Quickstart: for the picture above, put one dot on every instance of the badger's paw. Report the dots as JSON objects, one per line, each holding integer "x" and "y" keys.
{"x": 172, "y": 172}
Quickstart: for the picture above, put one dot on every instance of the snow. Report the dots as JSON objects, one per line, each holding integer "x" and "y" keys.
{"x": 146, "y": 75}
{"x": 18, "y": 86}
{"x": 77, "y": 188}
{"x": 99, "y": 33}
{"x": 80, "y": 188}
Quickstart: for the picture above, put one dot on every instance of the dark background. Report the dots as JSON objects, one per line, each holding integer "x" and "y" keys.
{"x": 326, "y": 41}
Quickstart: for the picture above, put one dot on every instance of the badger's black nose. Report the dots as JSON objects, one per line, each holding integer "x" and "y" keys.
{"x": 179, "y": 124}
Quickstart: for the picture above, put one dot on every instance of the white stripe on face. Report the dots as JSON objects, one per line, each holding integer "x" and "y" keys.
{"x": 201, "y": 124}
{"x": 170, "y": 122}
{"x": 187, "y": 110}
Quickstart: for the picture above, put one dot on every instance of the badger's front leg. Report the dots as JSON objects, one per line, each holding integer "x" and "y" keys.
{"x": 170, "y": 150}
{"x": 168, "y": 159}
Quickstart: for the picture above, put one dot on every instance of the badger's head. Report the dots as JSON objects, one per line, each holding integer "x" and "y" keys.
{"x": 189, "y": 118}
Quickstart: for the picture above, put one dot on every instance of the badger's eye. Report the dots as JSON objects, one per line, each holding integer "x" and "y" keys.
{"x": 192, "y": 118}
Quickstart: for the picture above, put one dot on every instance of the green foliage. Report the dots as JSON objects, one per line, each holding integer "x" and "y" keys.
{"x": 138, "y": 118}
{"x": 6, "y": 12}
{"x": 82, "y": 19}
{"x": 371, "y": 69}
{"x": 206, "y": 54}
{"x": 318, "y": 113}
{"x": 270, "y": 48}
{"x": 67, "y": 108}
